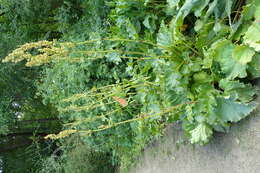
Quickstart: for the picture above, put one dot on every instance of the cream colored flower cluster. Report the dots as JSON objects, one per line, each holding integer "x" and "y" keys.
{"x": 62, "y": 134}
{"x": 46, "y": 51}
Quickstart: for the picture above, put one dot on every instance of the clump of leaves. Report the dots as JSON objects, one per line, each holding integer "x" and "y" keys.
{"x": 192, "y": 62}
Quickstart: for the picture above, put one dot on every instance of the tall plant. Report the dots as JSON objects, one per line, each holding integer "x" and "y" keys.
{"x": 191, "y": 61}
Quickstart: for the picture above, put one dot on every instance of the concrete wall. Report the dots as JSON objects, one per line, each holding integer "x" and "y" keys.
{"x": 235, "y": 152}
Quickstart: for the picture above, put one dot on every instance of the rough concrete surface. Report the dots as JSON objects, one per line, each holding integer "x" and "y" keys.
{"x": 235, "y": 152}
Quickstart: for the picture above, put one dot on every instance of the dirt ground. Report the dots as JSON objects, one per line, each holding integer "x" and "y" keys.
{"x": 235, "y": 152}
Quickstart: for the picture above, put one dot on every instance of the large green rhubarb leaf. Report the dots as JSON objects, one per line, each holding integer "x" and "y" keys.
{"x": 237, "y": 90}
{"x": 252, "y": 36}
{"x": 233, "y": 59}
{"x": 230, "y": 111}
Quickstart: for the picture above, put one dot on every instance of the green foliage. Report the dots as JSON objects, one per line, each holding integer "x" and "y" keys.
{"x": 17, "y": 156}
{"x": 76, "y": 157}
{"x": 233, "y": 59}
{"x": 20, "y": 109}
{"x": 252, "y": 37}
{"x": 5, "y": 118}
{"x": 230, "y": 111}
{"x": 125, "y": 69}
{"x": 82, "y": 20}
{"x": 254, "y": 66}
{"x": 201, "y": 133}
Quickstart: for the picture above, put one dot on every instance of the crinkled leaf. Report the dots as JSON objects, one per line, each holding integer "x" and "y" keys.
{"x": 243, "y": 54}
{"x": 131, "y": 29}
{"x": 236, "y": 66}
{"x": 252, "y": 36}
{"x": 233, "y": 59}
{"x": 165, "y": 36}
{"x": 230, "y": 111}
{"x": 205, "y": 96}
{"x": 237, "y": 90}
{"x": 201, "y": 134}
{"x": 149, "y": 22}
{"x": 222, "y": 52}
{"x": 173, "y": 80}
{"x": 254, "y": 66}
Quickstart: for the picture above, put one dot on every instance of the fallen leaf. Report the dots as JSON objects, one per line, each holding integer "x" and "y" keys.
{"x": 121, "y": 101}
